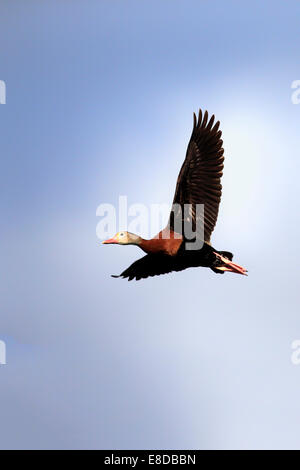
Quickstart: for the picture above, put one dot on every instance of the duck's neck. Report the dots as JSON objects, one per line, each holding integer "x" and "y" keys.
{"x": 134, "y": 239}
{"x": 144, "y": 244}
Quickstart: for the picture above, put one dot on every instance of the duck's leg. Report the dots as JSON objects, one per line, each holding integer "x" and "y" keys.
{"x": 230, "y": 266}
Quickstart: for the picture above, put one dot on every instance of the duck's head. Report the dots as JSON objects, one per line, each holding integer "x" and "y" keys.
{"x": 123, "y": 238}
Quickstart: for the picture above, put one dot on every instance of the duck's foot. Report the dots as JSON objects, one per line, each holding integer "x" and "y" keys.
{"x": 230, "y": 266}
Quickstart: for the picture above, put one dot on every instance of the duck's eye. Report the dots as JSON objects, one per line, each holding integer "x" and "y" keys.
{"x": 122, "y": 234}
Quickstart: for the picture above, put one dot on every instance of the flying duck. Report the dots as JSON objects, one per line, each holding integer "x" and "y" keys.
{"x": 198, "y": 185}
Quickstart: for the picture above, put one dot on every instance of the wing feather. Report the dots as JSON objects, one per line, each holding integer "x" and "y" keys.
{"x": 152, "y": 265}
{"x": 199, "y": 180}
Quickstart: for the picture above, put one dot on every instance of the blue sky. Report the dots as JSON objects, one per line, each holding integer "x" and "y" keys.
{"x": 99, "y": 103}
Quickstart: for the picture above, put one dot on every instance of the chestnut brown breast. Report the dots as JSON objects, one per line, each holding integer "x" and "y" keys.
{"x": 163, "y": 242}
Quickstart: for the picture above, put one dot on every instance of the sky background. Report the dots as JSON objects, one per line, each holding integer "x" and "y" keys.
{"x": 99, "y": 103}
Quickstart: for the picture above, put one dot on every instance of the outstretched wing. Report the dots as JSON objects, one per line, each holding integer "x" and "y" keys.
{"x": 153, "y": 265}
{"x": 199, "y": 180}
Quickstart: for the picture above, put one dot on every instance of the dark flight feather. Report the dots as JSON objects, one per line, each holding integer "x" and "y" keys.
{"x": 199, "y": 180}
{"x": 155, "y": 264}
